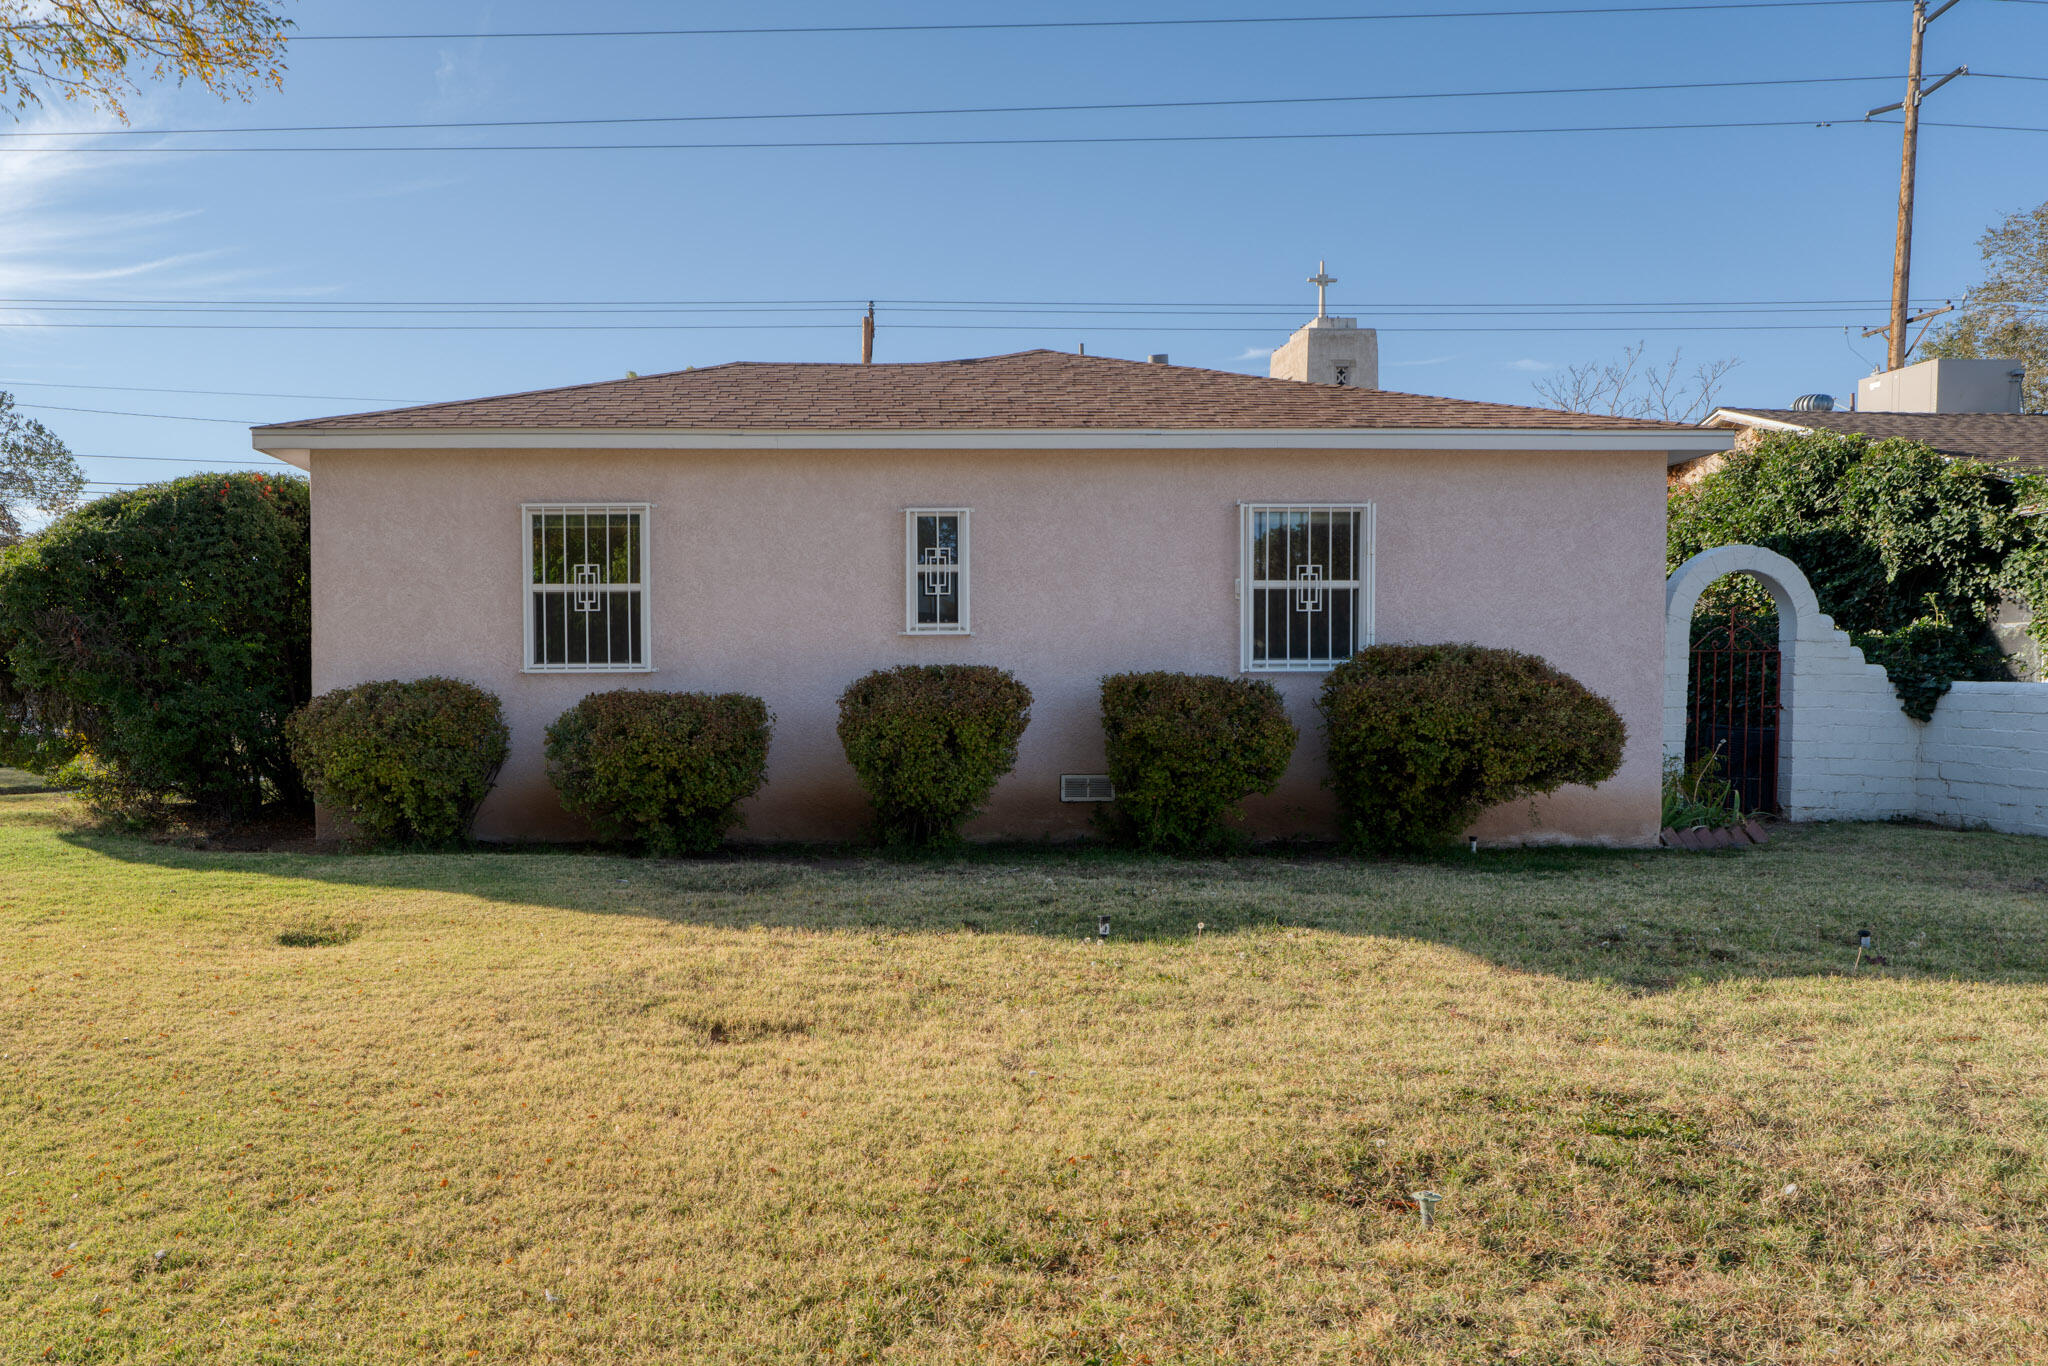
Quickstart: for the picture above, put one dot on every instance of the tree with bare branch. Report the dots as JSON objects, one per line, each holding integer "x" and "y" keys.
{"x": 100, "y": 51}
{"x": 1629, "y": 387}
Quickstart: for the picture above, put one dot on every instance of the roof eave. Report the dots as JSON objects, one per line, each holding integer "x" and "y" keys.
{"x": 1679, "y": 443}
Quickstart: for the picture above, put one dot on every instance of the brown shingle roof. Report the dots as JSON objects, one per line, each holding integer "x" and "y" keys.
{"x": 2018, "y": 440}
{"x": 1024, "y": 391}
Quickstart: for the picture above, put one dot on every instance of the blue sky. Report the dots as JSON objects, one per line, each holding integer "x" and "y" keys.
{"x": 1538, "y": 229}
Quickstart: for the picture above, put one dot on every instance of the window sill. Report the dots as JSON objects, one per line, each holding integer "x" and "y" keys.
{"x": 918, "y": 635}
{"x": 546, "y": 670}
{"x": 1290, "y": 668}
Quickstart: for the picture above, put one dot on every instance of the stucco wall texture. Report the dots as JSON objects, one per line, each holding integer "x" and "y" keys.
{"x": 781, "y": 574}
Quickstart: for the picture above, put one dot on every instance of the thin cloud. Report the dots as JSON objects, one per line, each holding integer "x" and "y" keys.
{"x": 1256, "y": 353}
{"x": 1433, "y": 360}
{"x": 1531, "y": 367}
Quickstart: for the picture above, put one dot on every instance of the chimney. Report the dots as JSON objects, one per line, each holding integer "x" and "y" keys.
{"x": 1329, "y": 350}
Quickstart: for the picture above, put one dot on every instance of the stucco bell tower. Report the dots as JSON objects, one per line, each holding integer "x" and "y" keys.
{"x": 1329, "y": 350}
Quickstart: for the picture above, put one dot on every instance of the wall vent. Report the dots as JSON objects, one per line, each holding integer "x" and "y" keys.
{"x": 1086, "y": 787}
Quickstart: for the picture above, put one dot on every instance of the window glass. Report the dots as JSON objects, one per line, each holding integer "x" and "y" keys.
{"x": 586, "y": 571}
{"x": 935, "y": 566}
{"x": 1307, "y": 584}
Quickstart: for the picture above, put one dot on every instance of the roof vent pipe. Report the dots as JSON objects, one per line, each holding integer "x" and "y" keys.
{"x": 1156, "y": 358}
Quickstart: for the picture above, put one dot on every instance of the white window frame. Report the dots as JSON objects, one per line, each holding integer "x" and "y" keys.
{"x": 1247, "y": 585}
{"x": 529, "y": 589}
{"x": 911, "y": 569}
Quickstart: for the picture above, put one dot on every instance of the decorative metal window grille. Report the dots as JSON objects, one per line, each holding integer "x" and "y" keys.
{"x": 586, "y": 588}
{"x": 935, "y": 571}
{"x": 1307, "y": 584}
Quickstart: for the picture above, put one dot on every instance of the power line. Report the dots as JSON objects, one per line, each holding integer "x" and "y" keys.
{"x": 1287, "y": 306}
{"x": 11, "y": 384}
{"x": 1020, "y": 25}
{"x": 181, "y": 460}
{"x": 829, "y": 144}
{"x": 964, "y": 110}
{"x": 120, "y": 412}
{"x": 834, "y": 327}
{"x": 517, "y": 311}
{"x": 1095, "y": 140}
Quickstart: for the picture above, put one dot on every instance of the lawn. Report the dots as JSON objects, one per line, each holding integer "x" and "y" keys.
{"x": 265, "y": 1107}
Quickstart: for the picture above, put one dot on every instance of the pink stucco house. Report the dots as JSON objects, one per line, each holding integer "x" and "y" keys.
{"x": 780, "y": 529}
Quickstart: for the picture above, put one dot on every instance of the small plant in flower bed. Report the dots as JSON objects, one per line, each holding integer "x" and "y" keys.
{"x": 1698, "y": 794}
{"x": 665, "y": 771}
{"x": 405, "y": 762}
{"x": 1184, "y": 750}
{"x": 1422, "y": 738}
{"x": 929, "y": 741}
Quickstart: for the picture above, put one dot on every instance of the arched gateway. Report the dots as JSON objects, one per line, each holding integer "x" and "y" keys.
{"x": 1845, "y": 749}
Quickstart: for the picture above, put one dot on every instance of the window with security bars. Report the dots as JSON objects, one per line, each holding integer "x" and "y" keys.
{"x": 935, "y": 571}
{"x": 1306, "y": 586}
{"x": 586, "y": 588}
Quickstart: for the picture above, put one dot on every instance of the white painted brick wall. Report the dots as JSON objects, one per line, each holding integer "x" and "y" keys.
{"x": 1847, "y": 751}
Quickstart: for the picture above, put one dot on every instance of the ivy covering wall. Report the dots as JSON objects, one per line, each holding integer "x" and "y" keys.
{"x": 1909, "y": 551}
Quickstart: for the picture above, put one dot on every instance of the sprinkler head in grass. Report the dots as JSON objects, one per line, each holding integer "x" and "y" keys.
{"x": 1426, "y": 1202}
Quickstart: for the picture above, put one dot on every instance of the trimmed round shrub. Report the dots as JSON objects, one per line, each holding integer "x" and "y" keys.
{"x": 406, "y": 762}
{"x": 662, "y": 770}
{"x": 929, "y": 741}
{"x": 166, "y": 629}
{"x": 1185, "y": 749}
{"x": 1422, "y": 738}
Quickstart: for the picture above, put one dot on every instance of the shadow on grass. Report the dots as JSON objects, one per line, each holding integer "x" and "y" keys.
{"x": 1969, "y": 906}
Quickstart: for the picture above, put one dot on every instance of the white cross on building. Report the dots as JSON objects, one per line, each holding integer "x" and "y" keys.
{"x": 1322, "y": 280}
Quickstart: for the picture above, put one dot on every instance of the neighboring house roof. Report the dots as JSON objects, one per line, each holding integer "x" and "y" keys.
{"x": 2016, "y": 440}
{"x": 1027, "y": 391}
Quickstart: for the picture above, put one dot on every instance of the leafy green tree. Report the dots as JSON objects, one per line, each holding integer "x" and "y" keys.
{"x": 96, "y": 51}
{"x": 167, "y": 630}
{"x": 1907, "y": 550}
{"x": 36, "y": 471}
{"x": 2006, "y": 314}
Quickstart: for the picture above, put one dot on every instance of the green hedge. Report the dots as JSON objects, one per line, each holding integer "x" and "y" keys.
{"x": 665, "y": 771}
{"x": 1423, "y": 738}
{"x": 404, "y": 761}
{"x": 929, "y": 741}
{"x": 167, "y": 630}
{"x": 1185, "y": 749}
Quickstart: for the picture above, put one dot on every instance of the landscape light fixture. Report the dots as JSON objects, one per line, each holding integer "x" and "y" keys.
{"x": 1426, "y": 1202}
{"x": 1102, "y": 928}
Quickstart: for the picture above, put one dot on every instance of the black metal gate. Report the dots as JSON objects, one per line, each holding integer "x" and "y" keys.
{"x": 1732, "y": 706}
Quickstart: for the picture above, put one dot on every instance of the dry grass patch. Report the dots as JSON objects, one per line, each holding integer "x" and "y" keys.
{"x": 574, "y": 1108}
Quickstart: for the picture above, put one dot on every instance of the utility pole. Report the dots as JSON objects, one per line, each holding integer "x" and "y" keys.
{"x": 1902, "y": 247}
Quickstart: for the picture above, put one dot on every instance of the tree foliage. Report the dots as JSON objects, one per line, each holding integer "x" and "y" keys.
{"x": 1184, "y": 750}
{"x": 405, "y": 761}
{"x": 1907, "y": 550}
{"x": 929, "y": 741}
{"x": 98, "y": 51}
{"x": 36, "y": 471}
{"x": 2004, "y": 314}
{"x": 167, "y": 629}
{"x": 666, "y": 771}
{"x": 1423, "y": 738}
{"x": 1629, "y": 386}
